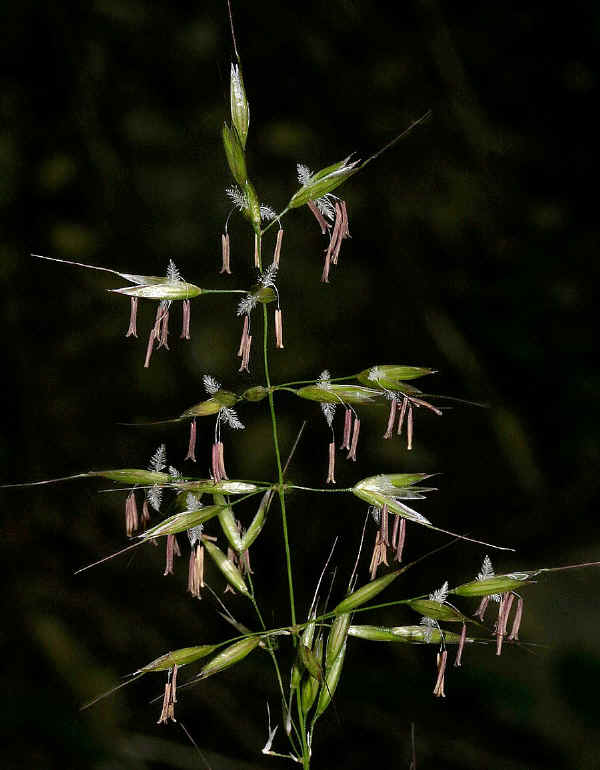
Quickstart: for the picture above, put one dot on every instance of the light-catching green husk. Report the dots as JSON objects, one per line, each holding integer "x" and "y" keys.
{"x": 341, "y": 394}
{"x": 255, "y": 393}
{"x": 438, "y": 611}
{"x": 306, "y": 640}
{"x": 230, "y": 656}
{"x": 332, "y": 678}
{"x": 498, "y": 584}
{"x": 228, "y": 524}
{"x": 391, "y": 377}
{"x": 180, "y": 522}
{"x": 240, "y": 109}
{"x": 234, "y": 152}
{"x": 134, "y": 476}
{"x": 390, "y": 489}
{"x": 365, "y": 593}
{"x": 314, "y": 673}
{"x": 181, "y": 657}
{"x": 230, "y": 572}
{"x": 322, "y": 182}
{"x": 208, "y": 486}
{"x": 258, "y": 522}
{"x": 211, "y": 405}
{"x": 165, "y": 290}
{"x": 336, "y": 639}
{"x": 405, "y": 634}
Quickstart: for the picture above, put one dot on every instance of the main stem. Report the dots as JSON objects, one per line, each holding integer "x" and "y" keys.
{"x": 281, "y": 490}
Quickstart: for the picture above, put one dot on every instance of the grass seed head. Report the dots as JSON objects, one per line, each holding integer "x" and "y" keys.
{"x": 336, "y": 639}
{"x": 391, "y": 376}
{"x": 181, "y": 657}
{"x": 240, "y": 109}
{"x": 365, "y": 593}
{"x": 322, "y": 182}
{"x": 234, "y": 152}
{"x": 231, "y": 655}
{"x": 405, "y": 634}
{"x": 228, "y": 569}
{"x": 494, "y": 585}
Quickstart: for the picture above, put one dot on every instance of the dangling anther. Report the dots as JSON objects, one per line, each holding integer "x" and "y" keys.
{"x": 191, "y": 453}
{"x": 277, "y": 252}
{"x": 185, "y": 323}
{"x": 256, "y": 252}
{"x": 354, "y": 443}
{"x": 278, "y": 329}
{"x": 438, "y": 690}
{"x": 131, "y": 515}
{"x": 347, "y": 429}
{"x": 331, "y": 468}
{"x": 318, "y": 216}
{"x": 225, "y": 268}
{"x": 461, "y": 645}
{"x": 391, "y": 419}
{"x": 132, "y": 331}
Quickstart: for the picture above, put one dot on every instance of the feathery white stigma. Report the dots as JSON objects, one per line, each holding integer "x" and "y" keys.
{"x": 440, "y": 595}
{"x": 211, "y": 386}
{"x": 158, "y": 461}
{"x": 230, "y": 418}
{"x": 173, "y": 273}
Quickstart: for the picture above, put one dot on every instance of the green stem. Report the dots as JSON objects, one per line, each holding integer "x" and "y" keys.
{"x": 281, "y": 489}
{"x": 255, "y": 604}
{"x": 258, "y": 263}
{"x": 272, "y": 222}
{"x": 269, "y": 649}
{"x": 305, "y": 751}
{"x": 281, "y": 493}
{"x": 313, "y": 489}
{"x": 312, "y": 382}
{"x": 282, "y": 387}
{"x": 224, "y": 291}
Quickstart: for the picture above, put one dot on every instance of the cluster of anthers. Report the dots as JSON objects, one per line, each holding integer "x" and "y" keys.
{"x": 402, "y": 404}
{"x": 403, "y": 400}
{"x": 152, "y": 495}
{"x": 351, "y": 426}
{"x": 247, "y": 304}
{"x": 384, "y": 540}
{"x": 225, "y": 415}
{"x": 241, "y": 203}
{"x": 160, "y": 331}
{"x": 332, "y": 216}
{"x": 505, "y": 602}
{"x": 440, "y": 597}
{"x": 153, "y": 498}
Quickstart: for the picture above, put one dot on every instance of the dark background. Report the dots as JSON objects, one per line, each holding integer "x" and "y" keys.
{"x": 473, "y": 251}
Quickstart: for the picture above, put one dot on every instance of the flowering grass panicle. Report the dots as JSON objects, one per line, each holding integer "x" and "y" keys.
{"x": 220, "y": 518}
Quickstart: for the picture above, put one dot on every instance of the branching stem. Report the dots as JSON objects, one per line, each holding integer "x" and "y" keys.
{"x": 281, "y": 488}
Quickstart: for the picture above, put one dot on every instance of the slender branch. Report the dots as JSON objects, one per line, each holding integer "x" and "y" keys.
{"x": 305, "y": 750}
{"x": 281, "y": 492}
{"x": 312, "y": 382}
{"x": 294, "y": 447}
{"x": 269, "y": 648}
{"x": 272, "y": 222}
{"x": 224, "y": 291}
{"x": 281, "y": 489}
{"x": 313, "y": 489}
